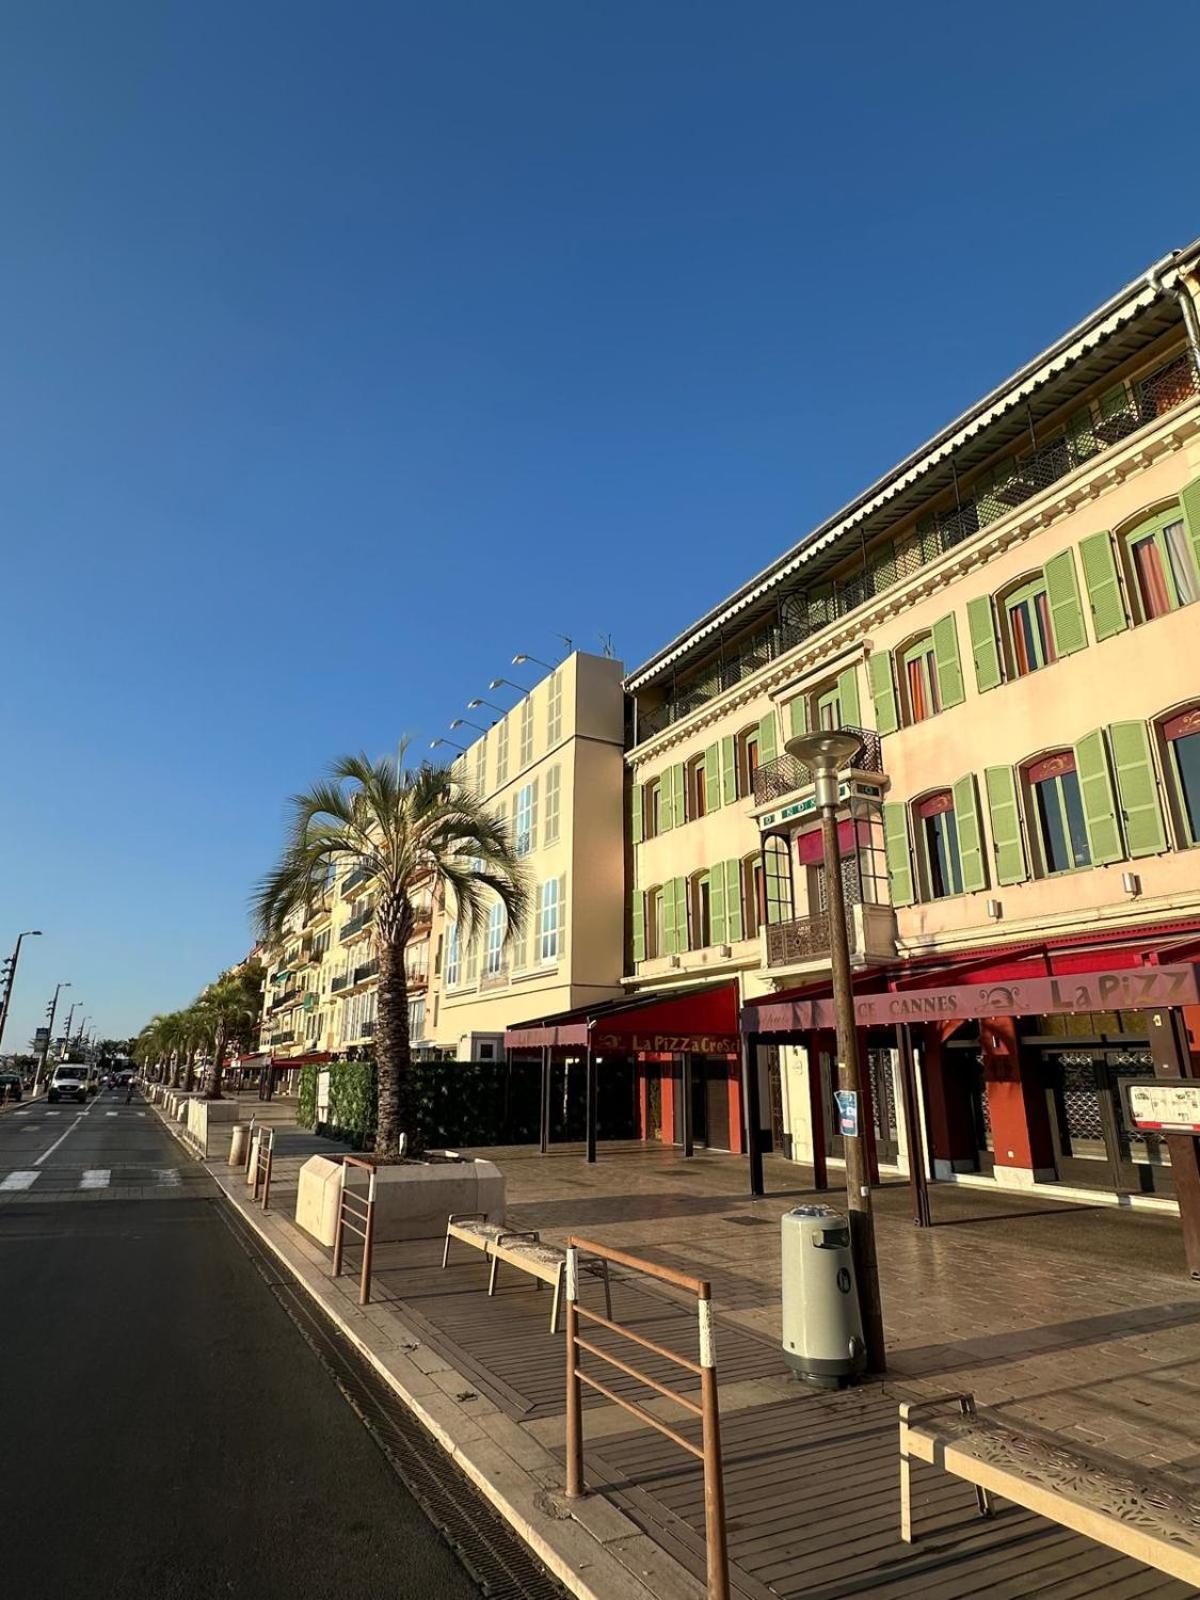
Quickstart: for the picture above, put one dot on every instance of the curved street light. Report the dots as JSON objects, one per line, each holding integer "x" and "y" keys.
{"x": 522, "y": 659}
{"x": 29, "y": 933}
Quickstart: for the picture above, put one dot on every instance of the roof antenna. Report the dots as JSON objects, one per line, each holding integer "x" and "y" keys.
{"x": 606, "y": 641}
{"x": 567, "y": 641}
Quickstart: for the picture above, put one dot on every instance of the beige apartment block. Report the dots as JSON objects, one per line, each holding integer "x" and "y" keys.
{"x": 553, "y": 767}
{"x": 1008, "y": 622}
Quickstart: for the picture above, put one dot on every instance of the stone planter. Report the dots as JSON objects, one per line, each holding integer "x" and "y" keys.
{"x": 412, "y": 1200}
{"x": 208, "y": 1123}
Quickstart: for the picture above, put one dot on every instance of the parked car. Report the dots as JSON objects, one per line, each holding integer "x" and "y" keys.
{"x": 69, "y": 1082}
{"x": 10, "y": 1086}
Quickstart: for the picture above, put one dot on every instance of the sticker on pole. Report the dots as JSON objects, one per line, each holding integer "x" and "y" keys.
{"x": 847, "y": 1108}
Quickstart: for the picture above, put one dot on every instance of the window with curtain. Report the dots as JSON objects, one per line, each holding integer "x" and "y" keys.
{"x": 920, "y": 679}
{"x": 1030, "y": 635}
{"x": 1058, "y": 813}
{"x": 1182, "y": 734}
{"x": 1160, "y": 563}
{"x": 939, "y": 837}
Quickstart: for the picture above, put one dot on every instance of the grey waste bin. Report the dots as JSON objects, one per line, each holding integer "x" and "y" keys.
{"x": 822, "y": 1324}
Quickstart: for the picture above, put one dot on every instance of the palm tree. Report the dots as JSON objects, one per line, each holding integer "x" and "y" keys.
{"x": 226, "y": 1012}
{"x": 406, "y": 830}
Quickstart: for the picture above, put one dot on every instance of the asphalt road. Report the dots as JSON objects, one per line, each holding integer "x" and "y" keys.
{"x": 165, "y": 1431}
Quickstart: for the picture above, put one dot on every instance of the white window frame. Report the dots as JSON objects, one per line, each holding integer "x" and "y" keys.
{"x": 523, "y": 823}
{"x": 453, "y": 956}
{"x": 549, "y": 930}
{"x": 494, "y": 963}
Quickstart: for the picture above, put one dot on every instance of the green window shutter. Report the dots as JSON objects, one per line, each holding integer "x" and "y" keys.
{"x": 635, "y": 809}
{"x": 681, "y": 915}
{"x": 970, "y": 835}
{"x": 1190, "y": 502}
{"x": 639, "y": 927}
{"x": 670, "y": 934}
{"x": 1103, "y": 585}
{"x": 883, "y": 691}
{"x": 985, "y": 649}
{"x": 945, "y": 656}
{"x": 1005, "y": 813}
{"x": 729, "y": 770}
{"x": 1099, "y": 802}
{"x": 712, "y": 778}
{"x": 897, "y": 853}
{"x": 716, "y": 903}
{"x": 767, "y": 748}
{"x": 1066, "y": 613}
{"x": 734, "y": 926}
{"x": 666, "y": 808}
{"x": 1145, "y": 833}
{"x": 797, "y": 716}
{"x": 848, "y": 698}
{"x": 678, "y": 789}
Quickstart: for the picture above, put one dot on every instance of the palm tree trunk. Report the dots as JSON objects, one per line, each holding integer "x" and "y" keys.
{"x": 189, "y": 1076}
{"x": 396, "y": 1104}
{"x": 212, "y": 1087}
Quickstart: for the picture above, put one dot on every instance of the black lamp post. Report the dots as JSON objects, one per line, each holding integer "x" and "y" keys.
{"x": 29, "y": 933}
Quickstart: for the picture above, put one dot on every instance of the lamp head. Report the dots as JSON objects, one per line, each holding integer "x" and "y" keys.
{"x": 824, "y": 753}
{"x": 474, "y": 705}
{"x": 519, "y": 661}
{"x": 457, "y": 723}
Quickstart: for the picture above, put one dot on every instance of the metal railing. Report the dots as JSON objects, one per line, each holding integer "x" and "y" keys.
{"x": 993, "y": 495}
{"x": 367, "y": 969}
{"x": 709, "y": 1450}
{"x": 356, "y": 924}
{"x": 342, "y": 981}
{"x": 357, "y": 1213}
{"x": 785, "y": 774}
{"x": 357, "y": 878}
{"x": 289, "y": 1037}
{"x": 801, "y": 939}
{"x": 264, "y": 1159}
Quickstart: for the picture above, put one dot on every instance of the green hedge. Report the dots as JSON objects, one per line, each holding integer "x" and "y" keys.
{"x": 306, "y": 1099}
{"x": 352, "y": 1100}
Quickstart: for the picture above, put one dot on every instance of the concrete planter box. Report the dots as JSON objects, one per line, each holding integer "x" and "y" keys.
{"x": 208, "y": 1123}
{"x": 412, "y": 1201}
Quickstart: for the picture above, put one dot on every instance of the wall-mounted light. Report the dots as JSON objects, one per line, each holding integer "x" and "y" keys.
{"x": 474, "y": 705}
{"x": 463, "y": 722}
{"x": 507, "y": 683}
{"x": 435, "y": 743}
{"x": 994, "y": 910}
{"x": 523, "y": 659}
{"x": 1131, "y": 883}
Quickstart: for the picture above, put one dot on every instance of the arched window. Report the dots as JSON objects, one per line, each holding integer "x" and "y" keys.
{"x": 919, "y": 679}
{"x": 699, "y": 911}
{"x": 697, "y": 795}
{"x": 937, "y": 832}
{"x": 778, "y": 900}
{"x": 753, "y": 895}
{"x": 1057, "y": 818}
{"x": 651, "y": 808}
{"x": 1159, "y": 564}
{"x": 1181, "y": 734}
{"x": 1028, "y": 630}
{"x": 747, "y": 745}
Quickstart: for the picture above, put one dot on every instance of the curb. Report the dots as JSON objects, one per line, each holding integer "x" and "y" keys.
{"x": 607, "y": 1577}
{"x": 22, "y": 1105}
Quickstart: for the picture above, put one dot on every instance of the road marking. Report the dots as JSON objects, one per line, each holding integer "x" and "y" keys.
{"x": 169, "y": 1176}
{"x": 60, "y": 1138}
{"x": 53, "y": 1113}
{"x": 95, "y": 1178}
{"x": 141, "y": 1113}
{"x": 20, "y": 1113}
{"x": 110, "y": 1113}
{"x": 20, "y": 1180}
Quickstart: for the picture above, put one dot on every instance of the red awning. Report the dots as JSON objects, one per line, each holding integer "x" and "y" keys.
{"x": 703, "y": 1020}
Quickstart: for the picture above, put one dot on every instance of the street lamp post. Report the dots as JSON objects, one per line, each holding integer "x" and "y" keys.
{"x": 51, "y": 1009}
{"x": 825, "y": 754}
{"x": 29, "y": 933}
{"x": 70, "y": 1019}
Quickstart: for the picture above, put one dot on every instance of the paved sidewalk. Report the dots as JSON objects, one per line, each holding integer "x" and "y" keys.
{"x": 1080, "y": 1321}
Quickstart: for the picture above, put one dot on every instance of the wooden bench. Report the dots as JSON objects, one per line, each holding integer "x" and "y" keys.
{"x": 521, "y": 1248}
{"x": 1152, "y": 1517}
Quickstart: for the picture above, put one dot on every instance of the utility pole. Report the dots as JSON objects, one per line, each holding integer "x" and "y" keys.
{"x": 11, "y": 974}
{"x": 825, "y": 754}
{"x": 50, "y": 1012}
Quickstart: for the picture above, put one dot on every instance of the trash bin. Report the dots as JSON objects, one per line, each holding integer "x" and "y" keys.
{"x": 237, "y": 1145}
{"x": 822, "y": 1324}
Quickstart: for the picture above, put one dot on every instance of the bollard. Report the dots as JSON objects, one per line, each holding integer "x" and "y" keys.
{"x": 237, "y": 1145}
{"x": 252, "y": 1161}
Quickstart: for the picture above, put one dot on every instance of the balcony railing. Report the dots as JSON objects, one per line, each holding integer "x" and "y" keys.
{"x": 357, "y": 878}
{"x": 342, "y": 981}
{"x": 416, "y": 980}
{"x": 989, "y": 498}
{"x": 283, "y": 1038}
{"x": 355, "y": 925}
{"x": 785, "y": 774}
{"x": 286, "y": 999}
{"x": 368, "y": 969}
{"x": 802, "y": 939}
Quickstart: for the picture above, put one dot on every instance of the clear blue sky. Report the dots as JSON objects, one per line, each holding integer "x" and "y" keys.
{"x": 350, "y": 348}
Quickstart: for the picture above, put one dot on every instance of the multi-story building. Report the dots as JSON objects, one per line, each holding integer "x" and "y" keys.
{"x": 552, "y": 766}
{"x": 1006, "y": 619}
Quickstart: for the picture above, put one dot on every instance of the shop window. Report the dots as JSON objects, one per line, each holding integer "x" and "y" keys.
{"x": 938, "y": 830}
{"x": 918, "y": 671}
{"x": 1029, "y": 634}
{"x": 1159, "y": 565}
{"x": 651, "y": 808}
{"x": 700, "y": 911}
{"x": 1182, "y": 735}
{"x": 753, "y": 896}
{"x": 747, "y": 759}
{"x": 1058, "y": 813}
{"x": 697, "y": 795}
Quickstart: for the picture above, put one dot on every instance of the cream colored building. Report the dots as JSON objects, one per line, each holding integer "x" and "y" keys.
{"x": 552, "y": 766}
{"x": 1007, "y": 618}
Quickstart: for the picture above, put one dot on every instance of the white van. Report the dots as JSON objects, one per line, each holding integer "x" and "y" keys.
{"x": 70, "y": 1081}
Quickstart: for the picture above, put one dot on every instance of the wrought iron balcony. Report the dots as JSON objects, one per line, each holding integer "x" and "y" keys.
{"x": 283, "y": 1038}
{"x": 990, "y": 497}
{"x": 785, "y": 774}
{"x": 366, "y": 970}
{"x": 357, "y": 878}
{"x": 356, "y": 925}
{"x": 286, "y": 999}
{"x": 801, "y": 939}
{"x": 342, "y": 981}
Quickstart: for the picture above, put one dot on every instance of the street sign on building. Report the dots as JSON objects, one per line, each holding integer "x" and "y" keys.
{"x": 1163, "y": 1105}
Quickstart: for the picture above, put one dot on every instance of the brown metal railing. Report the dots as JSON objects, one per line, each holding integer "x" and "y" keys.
{"x": 709, "y": 1449}
{"x": 263, "y": 1161}
{"x": 357, "y": 1213}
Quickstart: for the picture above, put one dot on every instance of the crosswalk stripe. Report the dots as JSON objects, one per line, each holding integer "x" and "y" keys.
{"x": 20, "y": 1113}
{"x": 20, "y": 1180}
{"x": 53, "y": 1113}
{"x": 95, "y": 1178}
{"x": 110, "y": 1113}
